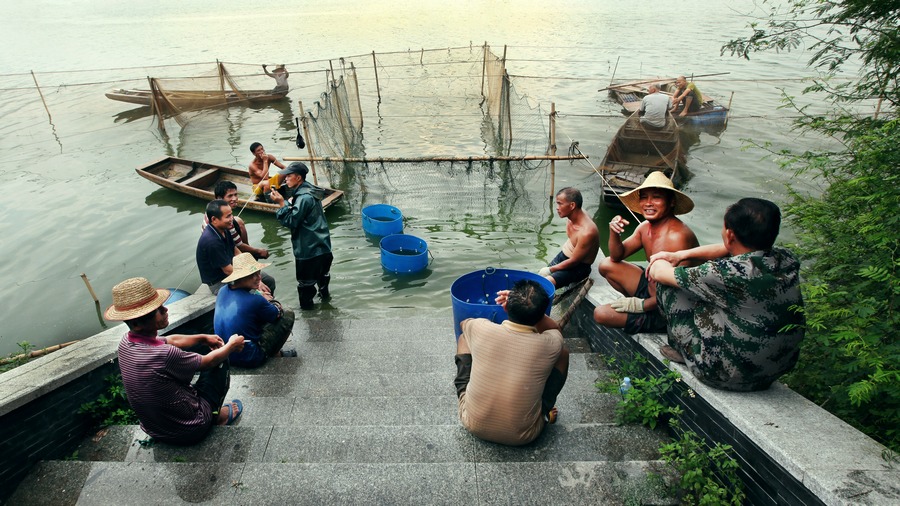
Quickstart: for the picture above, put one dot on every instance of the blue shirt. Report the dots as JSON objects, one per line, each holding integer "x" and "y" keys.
{"x": 214, "y": 251}
{"x": 244, "y": 312}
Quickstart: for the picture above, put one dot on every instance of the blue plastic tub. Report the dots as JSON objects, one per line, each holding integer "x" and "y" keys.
{"x": 381, "y": 220}
{"x": 473, "y": 294}
{"x": 403, "y": 254}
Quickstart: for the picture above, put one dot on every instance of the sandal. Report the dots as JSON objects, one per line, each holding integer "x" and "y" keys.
{"x": 232, "y": 417}
{"x": 551, "y": 417}
{"x": 671, "y": 354}
{"x": 288, "y": 352}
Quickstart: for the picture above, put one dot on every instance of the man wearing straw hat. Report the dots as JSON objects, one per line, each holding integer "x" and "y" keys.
{"x": 241, "y": 309}
{"x": 733, "y": 320}
{"x": 157, "y": 370}
{"x": 310, "y": 237}
{"x": 659, "y": 202}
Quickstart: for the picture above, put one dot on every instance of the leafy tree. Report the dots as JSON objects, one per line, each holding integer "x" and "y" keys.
{"x": 847, "y": 235}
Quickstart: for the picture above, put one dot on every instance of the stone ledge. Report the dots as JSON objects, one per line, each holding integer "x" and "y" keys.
{"x": 27, "y": 382}
{"x": 834, "y": 461}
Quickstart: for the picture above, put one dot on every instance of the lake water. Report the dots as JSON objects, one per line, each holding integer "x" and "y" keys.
{"x": 73, "y": 204}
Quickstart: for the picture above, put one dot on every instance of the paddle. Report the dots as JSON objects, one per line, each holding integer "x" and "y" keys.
{"x": 632, "y": 83}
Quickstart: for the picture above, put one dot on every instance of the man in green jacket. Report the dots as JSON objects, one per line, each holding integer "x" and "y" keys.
{"x": 310, "y": 237}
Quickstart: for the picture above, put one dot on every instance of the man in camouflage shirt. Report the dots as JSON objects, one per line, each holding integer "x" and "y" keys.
{"x": 733, "y": 320}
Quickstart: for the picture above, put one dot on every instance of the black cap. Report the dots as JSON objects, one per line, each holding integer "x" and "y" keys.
{"x": 296, "y": 168}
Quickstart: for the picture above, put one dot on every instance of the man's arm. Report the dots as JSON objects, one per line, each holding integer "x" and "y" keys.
{"x": 699, "y": 253}
{"x": 274, "y": 160}
{"x": 619, "y": 249}
{"x": 245, "y": 243}
{"x": 580, "y": 253}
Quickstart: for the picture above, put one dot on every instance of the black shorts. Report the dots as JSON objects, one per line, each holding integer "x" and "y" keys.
{"x": 463, "y": 372}
{"x": 571, "y": 275}
{"x": 651, "y": 321}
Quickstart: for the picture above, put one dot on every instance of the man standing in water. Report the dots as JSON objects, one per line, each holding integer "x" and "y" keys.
{"x": 260, "y": 171}
{"x": 310, "y": 237}
{"x": 658, "y": 200}
{"x": 573, "y": 263}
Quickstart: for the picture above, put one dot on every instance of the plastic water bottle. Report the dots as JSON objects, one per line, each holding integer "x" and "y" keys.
{"x": 625, "y": 386}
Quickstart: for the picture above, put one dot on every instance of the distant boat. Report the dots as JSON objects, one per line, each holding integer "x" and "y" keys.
{"x": 635, "y": 152}
{"x": 187, "y": 100}
{"x": 630, "y": 94}
{"x": 198, "y": 179}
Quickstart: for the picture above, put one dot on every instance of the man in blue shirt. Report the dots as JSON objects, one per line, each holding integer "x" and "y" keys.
{"x": 241, "y": 309}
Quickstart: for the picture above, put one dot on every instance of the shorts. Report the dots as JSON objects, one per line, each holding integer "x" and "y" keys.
{"x": 652, "y": 321}
{"x": 463, "y": 372}
{"x": 571, "y": 275}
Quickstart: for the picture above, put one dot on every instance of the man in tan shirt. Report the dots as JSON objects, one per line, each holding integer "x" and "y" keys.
{"x": 509, "y": 374}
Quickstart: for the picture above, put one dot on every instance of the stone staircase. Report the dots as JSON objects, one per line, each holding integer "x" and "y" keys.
{"x": 367, "y": 415}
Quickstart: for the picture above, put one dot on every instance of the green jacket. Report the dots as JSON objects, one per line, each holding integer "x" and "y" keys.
{"x": 306, "y": 219}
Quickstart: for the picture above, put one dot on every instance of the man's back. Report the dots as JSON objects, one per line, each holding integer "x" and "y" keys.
{"x": 655, "y": 107}
{"x": 510, "y": 366}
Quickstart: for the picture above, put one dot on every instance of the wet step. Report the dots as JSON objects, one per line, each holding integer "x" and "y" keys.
{"x": 607, "y": 483}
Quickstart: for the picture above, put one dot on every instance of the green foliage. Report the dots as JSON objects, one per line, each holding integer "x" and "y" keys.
{"x": 847, "y": 233}
{"x": 111, "y": 407}
{"x": 644, "y": 403}
{"x": 14, "y": 360}
{"x": 708, "y": 474}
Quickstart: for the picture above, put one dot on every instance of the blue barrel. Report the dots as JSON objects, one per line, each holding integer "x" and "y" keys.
{"x": 473, "y": 294}
{"x": 175, "y": 294}
{"x": 381, "y": 220}
{"x": 403, "y": 254}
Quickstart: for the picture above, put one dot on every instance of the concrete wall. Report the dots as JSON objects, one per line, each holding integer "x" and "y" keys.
{"x": 790, "y": 450}
{"x": 39, "y": 401}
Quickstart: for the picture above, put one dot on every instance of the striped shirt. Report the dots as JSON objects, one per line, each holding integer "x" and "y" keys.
{"x": 510, "y": 366}
{"x": 157, "y": 378}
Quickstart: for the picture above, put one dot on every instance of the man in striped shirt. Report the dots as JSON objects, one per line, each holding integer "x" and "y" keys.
{"x": 157, "y": 370}
{"x": 509, "y": 374}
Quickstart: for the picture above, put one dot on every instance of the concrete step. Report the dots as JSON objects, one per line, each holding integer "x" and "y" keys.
{"x": 520, "y": 483}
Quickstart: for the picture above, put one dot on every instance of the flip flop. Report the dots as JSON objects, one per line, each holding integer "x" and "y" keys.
{"x": 288, "y": 352}
{"x": 552, "y": 416}
{"x": 671, "y": 354}
{"x": 232, "y": 418}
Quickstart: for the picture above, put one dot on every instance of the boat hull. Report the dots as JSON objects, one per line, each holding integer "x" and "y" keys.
{"x": 198, "y": 179}
{"x": 196, "y": 99}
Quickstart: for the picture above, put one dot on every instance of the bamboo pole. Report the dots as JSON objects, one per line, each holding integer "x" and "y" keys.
{"x": 358, "y": 102}
{"x": 377, "y": 86}
{"x": 36, "y": 85}
{"x": 611, "y": 79}
{"x": 875, "y": 117}
{"x": 420, "y": 159}
{"x": 89, "y": 287}
{"x": 658, "y": 79}
{"x": 484, "y": 53}
{"x": 309, "y": 147}
{"x": 154, "y": 97}
{"x": 552, "y": 149}
{"x": 36, "y": 353}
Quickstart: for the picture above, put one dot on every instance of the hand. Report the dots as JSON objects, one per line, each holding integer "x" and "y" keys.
{"x": 628, "y": 305}
{"x": 235, "y": 343}
{"x": 262, "y": 252}
{"x": 277, "y": 198}
{"x": 544, "y": 272}
{"x": 618, "y": 224}
{"x": 502, "y": 297}
{"x": 214, "y": 342}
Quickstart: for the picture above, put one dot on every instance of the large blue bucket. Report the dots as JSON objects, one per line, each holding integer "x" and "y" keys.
{"x": 381, "y": 220}
{"x": 473, "y": 294}
{"x": 403, "y": 254}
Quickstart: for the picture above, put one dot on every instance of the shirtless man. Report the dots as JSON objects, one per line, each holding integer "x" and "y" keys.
{"x": 260, "y": 172}
{"x": 658, "y": 200}
{"x": 573, "y": 263}
{"x": 280, "y": 75}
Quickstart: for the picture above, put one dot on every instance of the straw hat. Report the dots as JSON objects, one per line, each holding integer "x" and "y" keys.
{"x": 656, "y": 179}
{"x": 244, "y": 265}
{"x": 133, "y": 298}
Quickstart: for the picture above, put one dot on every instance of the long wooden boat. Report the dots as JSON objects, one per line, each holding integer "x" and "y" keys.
{"x": 197, "y": 99}
{"x": 198, "y": 179}
{"x": 635, "y": 152}
{"x": 629, "y": 95}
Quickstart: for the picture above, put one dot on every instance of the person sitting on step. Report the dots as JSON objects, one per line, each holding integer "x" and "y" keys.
{"x": 509, "y": 374}
{"x": 157, "y": 370}
{"x": 241, "y": 309}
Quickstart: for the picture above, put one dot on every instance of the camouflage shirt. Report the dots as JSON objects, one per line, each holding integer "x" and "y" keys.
{"x": 726, "y": 315}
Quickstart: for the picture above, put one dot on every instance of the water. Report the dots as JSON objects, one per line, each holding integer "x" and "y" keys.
{"x": 74, "y": 205}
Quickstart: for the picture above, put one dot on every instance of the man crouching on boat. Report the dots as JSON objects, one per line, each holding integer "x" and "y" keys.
{"x": 573, "y": 263}
{"x": 157, "y": 371}
{"x": 733, "y": 320}
{"x": 659, "y": 202}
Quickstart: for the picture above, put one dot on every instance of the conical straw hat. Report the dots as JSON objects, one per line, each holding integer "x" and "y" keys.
{"x": 656, "y": 179}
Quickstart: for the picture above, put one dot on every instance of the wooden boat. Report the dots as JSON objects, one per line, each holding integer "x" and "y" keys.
{"x": 197, "y": 99}
{"x": 198, "y": 179}
{"x": 635, "y": 152}
{"x": 630, "y": 95}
